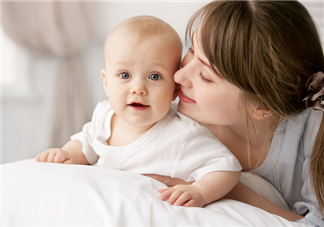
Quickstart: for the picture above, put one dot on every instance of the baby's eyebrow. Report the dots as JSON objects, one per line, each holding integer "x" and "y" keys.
{"x": 158, "y": 64}
{"x": 122, "y": 63}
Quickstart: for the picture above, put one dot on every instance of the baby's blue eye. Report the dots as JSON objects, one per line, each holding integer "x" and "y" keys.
{"x": 155, "y": 77}
{"x": 125, "y": 76}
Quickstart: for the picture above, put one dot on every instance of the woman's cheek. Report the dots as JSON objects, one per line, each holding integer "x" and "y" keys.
{"x": 205, "y": 98}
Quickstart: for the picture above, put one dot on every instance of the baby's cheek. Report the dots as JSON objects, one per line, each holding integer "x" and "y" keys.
{"x": 165, "y": 95}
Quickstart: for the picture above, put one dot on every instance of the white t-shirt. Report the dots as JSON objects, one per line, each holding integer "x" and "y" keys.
{"x": 175, "y": 146}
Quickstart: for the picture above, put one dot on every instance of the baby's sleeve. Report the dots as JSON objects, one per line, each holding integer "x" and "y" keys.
{"x": 88, "y": 133}
{"x": 202, "y": 153}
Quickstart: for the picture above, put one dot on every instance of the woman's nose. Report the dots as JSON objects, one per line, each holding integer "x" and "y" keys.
{"x": 183, "y": 75}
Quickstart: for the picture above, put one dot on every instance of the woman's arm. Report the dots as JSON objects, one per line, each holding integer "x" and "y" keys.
{"x": 245, "y": 194}
{"x": 240, "y": 193}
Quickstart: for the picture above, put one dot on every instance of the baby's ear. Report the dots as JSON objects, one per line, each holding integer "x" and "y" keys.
{"x": 103, "y": 74}
{"x": 176, "y": 90}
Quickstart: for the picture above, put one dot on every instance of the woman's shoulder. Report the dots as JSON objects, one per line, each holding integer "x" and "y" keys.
{"x": 293, "y": 140}
{"x": 303, "y": 126}
{"x": 311, "y": 130}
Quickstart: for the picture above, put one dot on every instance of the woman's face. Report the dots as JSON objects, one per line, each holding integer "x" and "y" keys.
{"x": 205, "y": 96}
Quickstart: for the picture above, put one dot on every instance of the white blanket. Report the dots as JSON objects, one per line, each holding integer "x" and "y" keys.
{"x": 54, "y": 194}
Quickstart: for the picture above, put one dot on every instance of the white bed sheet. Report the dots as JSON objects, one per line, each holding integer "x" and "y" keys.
{"x": 52, "y": 194}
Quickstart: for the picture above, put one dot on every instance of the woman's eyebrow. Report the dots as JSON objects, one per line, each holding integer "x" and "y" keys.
{"x": 205, "y": 63}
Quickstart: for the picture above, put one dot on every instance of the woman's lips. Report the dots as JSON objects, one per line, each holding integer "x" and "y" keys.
{"x": 184, "y": 98}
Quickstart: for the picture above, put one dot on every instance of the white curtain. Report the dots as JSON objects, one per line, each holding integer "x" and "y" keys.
{"x": 61, "y": 29}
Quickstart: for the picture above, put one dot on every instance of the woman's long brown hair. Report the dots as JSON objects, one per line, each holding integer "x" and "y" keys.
{"x": 268, "y": 49}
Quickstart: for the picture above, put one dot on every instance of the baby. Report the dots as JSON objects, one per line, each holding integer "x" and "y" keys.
{"x": 136, "y": 130}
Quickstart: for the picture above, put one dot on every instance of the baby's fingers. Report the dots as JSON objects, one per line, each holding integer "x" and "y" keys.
{"x": 59, "y": 158}
{"x": 161, "y": 190}
{"x": 174, "y": 196}
{"x": 38, "y": 157}
{"x": 43, "y": 156}
{"x": 165, "y": 193}
{"x": 191, "y": 203}
{"x": 51, "y": 156}
{"x": 67, "y": 160}
{"x": 182, "y": 199}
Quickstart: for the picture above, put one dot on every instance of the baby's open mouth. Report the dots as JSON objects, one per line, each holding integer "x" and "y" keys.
{"x": 135, "y": 104}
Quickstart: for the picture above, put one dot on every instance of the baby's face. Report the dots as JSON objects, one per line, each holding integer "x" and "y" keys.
{"x": 138, "y": 77}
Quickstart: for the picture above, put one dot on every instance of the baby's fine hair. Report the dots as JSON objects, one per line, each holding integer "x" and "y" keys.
{"x": 146, "y": 27}
{"x": 268, "y": 49}
{"x": 149, "y": 26}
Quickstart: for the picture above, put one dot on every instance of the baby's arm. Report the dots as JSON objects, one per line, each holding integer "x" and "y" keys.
{"x": 70, "y": 153}
{"x": 209, "y": 188}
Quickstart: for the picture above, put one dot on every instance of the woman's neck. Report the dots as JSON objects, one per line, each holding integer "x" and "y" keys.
{"x": 235, "y": 138}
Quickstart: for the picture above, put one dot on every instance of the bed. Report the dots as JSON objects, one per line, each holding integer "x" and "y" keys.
{"x": 48, "y": 194}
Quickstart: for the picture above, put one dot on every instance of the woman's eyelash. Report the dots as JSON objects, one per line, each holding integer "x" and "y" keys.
{"x": 204, "y": 79}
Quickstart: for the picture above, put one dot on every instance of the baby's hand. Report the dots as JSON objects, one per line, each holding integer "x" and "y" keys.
{"x": 183, "y": 195}
{"x": 55, "y": 155}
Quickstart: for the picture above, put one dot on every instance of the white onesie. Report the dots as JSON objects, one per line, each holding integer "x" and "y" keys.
{"x": 175, "y": 146}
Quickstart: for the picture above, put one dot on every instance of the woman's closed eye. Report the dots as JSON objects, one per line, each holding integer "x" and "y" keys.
{"x": 204, "y": 79}
{"x": 125, "y": 75}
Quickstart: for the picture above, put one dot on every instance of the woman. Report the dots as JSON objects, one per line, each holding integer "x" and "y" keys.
{"x": 251, "y": 68}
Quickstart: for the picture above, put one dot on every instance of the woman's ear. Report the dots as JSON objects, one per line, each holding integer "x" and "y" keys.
{"x": 260, "y": 114}
{"x": 176, "y": 90}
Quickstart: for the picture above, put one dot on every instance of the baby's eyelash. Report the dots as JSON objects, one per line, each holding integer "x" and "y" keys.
{"x": 204, "y": 79}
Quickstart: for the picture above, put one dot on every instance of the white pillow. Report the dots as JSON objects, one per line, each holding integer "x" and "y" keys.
{"x": 47, "y": 194}
{"x": 263, "y": 188}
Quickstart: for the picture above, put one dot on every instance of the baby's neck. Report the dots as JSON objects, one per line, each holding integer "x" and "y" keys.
{"x": 123, "y": 133}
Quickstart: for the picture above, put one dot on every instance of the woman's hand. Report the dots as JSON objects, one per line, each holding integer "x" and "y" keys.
{"x": 168, "y": 181}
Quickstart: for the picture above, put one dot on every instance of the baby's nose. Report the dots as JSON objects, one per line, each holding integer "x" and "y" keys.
{"x": 138, "y": 89}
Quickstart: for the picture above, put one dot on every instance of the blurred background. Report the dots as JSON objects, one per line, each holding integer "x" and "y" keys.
{"x": 51, "y": 58}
